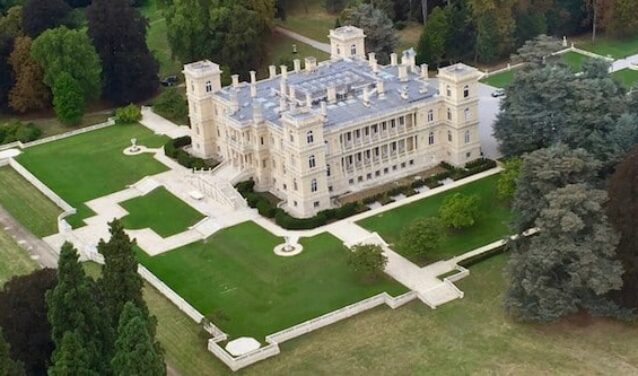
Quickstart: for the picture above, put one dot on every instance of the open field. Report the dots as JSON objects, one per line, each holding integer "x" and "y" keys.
{"x": 160, "y": 211}
{"x": 491, "y": 225}
{"x": 627, "y": 77}
{"x": 26, "y": 204}
{"x": 92, "y": 164}
{"x": 236, "y": 280}
{"x": 14, "y": 260}
{"x": 616, "y": 48}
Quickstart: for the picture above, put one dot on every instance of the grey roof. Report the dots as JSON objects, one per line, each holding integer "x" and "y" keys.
{"x": 350, "y": 77}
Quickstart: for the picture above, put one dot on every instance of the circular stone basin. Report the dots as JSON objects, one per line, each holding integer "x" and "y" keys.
{"x": 137, "y": 150}
{"x": 282, "y": 249}
{"x": 242, "y": 345}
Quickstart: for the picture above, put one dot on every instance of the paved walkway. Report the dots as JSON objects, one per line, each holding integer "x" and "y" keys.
{"x": 325, "y": 47}
{"x": 160, "y": 125}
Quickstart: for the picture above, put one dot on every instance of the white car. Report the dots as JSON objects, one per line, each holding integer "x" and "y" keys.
{"x": 498, "y": 93}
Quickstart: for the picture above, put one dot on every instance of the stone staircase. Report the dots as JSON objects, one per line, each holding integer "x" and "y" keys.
{"x": 443, "y": 293}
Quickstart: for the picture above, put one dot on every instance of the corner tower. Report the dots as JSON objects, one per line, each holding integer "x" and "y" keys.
{"x": 347, "y": 42}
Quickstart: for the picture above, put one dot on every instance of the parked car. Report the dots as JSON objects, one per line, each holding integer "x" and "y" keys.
{"x": 498, "y": 93}
{"x": 169, "y": 81}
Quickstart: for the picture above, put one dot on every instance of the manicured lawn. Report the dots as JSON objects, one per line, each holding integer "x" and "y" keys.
{"x": 309, "y": 18}
{"x": 27, "y": 205}
{"x": 574, "y": 60}
{"x": 236, "y": 280}
{"x": 159, "y": 210}
{"x": 491, "y": 225}
{"x": 14, "y": 260}
{"x": 500, "y": 80}
{"x": 616, "y": 48}
{"x": 627, "y": 77}
{"x": 91, "y": 165}
{"x": 280, "y": 49}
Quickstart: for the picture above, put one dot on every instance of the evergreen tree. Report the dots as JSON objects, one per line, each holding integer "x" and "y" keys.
{"x": 40, "y": 15}
{"x": 571, "y": 264}
{"x": 135, "y": 352}
{"x": 72, "y": 358}
{"x": 68, "y": 101}
{"x": 381, "y": 37}
{"x": 623, "y": 214}
{"x": 118, "y": 32}
{"x": 74, "y": 307}
{"x": 10, "y": 28}
{"x": 8, "y": 367}
{"x": 432, "y": 45}
{"x": 29, "y": 92}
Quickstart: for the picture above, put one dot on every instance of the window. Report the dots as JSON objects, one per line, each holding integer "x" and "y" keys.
{"x": 338, "y": 50}
{"x": 448, "y": 91}
{"x": 310, "y": 137}
{"x": 292, "y": 138}
{"x": 449, "y": 136}
{"x": 468, "y": 154}
{"x": 402, "y": 120}
{"x": 449, "y": 114}
{"x": 467, "y": 114}
{"x": 313, "y": 185}
{"x": 430, "y": 116}
{"x": 261, "y": 139}
{"x": 263, "y": 163}
{"x": 316, "y": 204}
{"x": 294, "y": 184}
{"x": 431, "y": 138}
{"x": 311, "y": 161}
{"x": 328, "y": 170}
{"x": 353, "y": 49}
{"x": 393, "y": 123}
{"x": 466, "y": 91}
{"x": 209, "y": 86}
{"x": 467, "y": 137}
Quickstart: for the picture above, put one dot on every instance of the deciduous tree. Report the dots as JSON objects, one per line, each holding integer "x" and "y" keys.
{"x": 8, "y": 366}
{"x": 459, "y": 211}
{"x": 29, "y": 92}
{"x": 506, "y": 185}
{"x": 68, "y": 100}
{"x": 432, "y": 46}
{"x": 622, "y": 18}
{"x": 422, "y": 237}
{"x": 40, "y": 15}
{"x": 367, "y": 260}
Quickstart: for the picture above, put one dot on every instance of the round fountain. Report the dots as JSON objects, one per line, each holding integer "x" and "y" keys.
{"x": 291, "y": 247}
{"x": 134, "y": 149}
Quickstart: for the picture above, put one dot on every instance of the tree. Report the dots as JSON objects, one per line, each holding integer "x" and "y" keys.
{"x": 422, "y": 237}
{"x": 29, "y": 92}
{"x": 118, "y": 32}
{"x": 367, "y": 260}
{"x": 72, "y": 358}
{"x": 68, "y": 51}
{"x": 8, "y": 367}
{"x": 487, "y": 39}
{"x": 571, "y": 264}
{"x": 171, "y": 105}
{"x": 432, "y": 44}
{"x": 459, "y": 211}
{"x": 537, "y": 50}
{"x": 381, "y": 37}
{"x": 545, "y": 171}
{"x": 187, "y": 30}
{"x": 68, "y": 101}
{"x": 23, "y": 313}
{"x": 78, "y": 3}
{"x": 135, "y": 352}
{"x": 41, "y": 15}
{"x": 495, "y": 27}
{"x": 622, "y": 18}
{"x": 335, "y": 6}
{"x": 622, "y": 210}
{"x": 120, "y": 282}
{"x": 74, "y": 307}
{"x": 506, "y": 185}
{"x": 10, "y": 28}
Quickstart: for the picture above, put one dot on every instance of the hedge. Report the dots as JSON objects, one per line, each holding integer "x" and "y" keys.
{"x": 173, "y": 149}
{"x": 18, "y": 131}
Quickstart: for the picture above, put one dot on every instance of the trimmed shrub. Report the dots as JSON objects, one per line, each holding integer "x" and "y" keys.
{"x": 18, "y": 131}
{"x": 128, "y": 114}
{"x": 265, "y": 208}
{"x": 173, "y": 149}
{"x": 289, "y": 222}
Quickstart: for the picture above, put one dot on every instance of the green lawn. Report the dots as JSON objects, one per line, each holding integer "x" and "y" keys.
{"x": 491, "y": 225}
{"x": 91, "y": 165}
{"x": 14, "y": 260}
{"x": 627, "y": 77}
{"x": 22, "y": 200}
{"x": 616, "y": 48}
{"x": 157, "y": 39}
{"x": 310, "y": 18}
{"x": 280, "y": 49}
{"x": 235, "y": 279}
{"x": 574, "y": 60}
{"x": 159, "y": 210}
{"x": 500, "y": 80}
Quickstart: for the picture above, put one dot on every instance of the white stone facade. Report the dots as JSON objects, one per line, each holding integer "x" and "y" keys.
{"x": 335, "y": 127}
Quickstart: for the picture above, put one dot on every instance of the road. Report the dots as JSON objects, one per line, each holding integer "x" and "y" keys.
{"x": 488, "y": 109}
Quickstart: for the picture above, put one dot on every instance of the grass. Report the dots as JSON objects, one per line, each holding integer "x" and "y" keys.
{"x": 574, "y": 60}
{"x": 14, "y": 261}
{"x": 491, "y": 225}
{"x": 616, "y": 48}
{"x": 409, "y": 37}
{"x": 237, "y": 281}
{"x": 500, "y": 80}
{"x": 157, "y": 39}
{"x": 22, "y": 200}
{"x": 280, "y": 49}
{"x": 91, "y": 165}
{"x": 627, "y": 77}
{"x": 160, "y": 211}
{"x": 310, "y": 18}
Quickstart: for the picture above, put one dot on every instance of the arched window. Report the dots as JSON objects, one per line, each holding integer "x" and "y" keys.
{"x": 310, "y": 137}
{"x": 209, "y": 86}
{"x": 448, "y": 91}
{"x": 294, "y": 184}
{"x": 430, "y": 116}
{"x": 467, "y": 137}
{"x": 449, "y": 114}
{"x": 353, "y": 49}
{"x": 449, "y": 136}
{"x": 311, "y": 161}
{"x": 466, "y": 91}
{"x": 328, "y": 170}
{"x": 313, "y": 185}
{"x": 431, "y": 138}
{"x": 467, "y": 114}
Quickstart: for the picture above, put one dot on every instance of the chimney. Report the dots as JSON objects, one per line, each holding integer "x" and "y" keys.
{"x": 284, "y": 72}
{"x": 311, "y": 64}
{"x": 405, "y": 59}
{"x": 324, "y": 108}
{"x": 258, "y": 115}
{"x": 393, "y": 59}
{"x": 253, "y": 84}
{"x": 234, "y": 102}
{"x": 403, "y": 73}
{"x": 235, "y": 78}
{"x": 424, "y": 71}
{"x": 373, "y": 62}
{"x": 381, "y": 89}
{"x": 283, "y": 88}
{"x": 366, "y": 97}
{"x": 291, "y": 91}
{"x": 297, "y": 63}
{"x": 273, "y": 71}
{"x": 308, "y": 101}
{"x": 332, "y": 94}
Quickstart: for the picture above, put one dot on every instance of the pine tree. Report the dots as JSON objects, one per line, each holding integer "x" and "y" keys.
{"x": 72, "y": 358}
{"x": 8, "y": 367}
{"x": 73, "y": 306}
{"x": 135, "y": 352}
{"x": 118, "y": 32}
